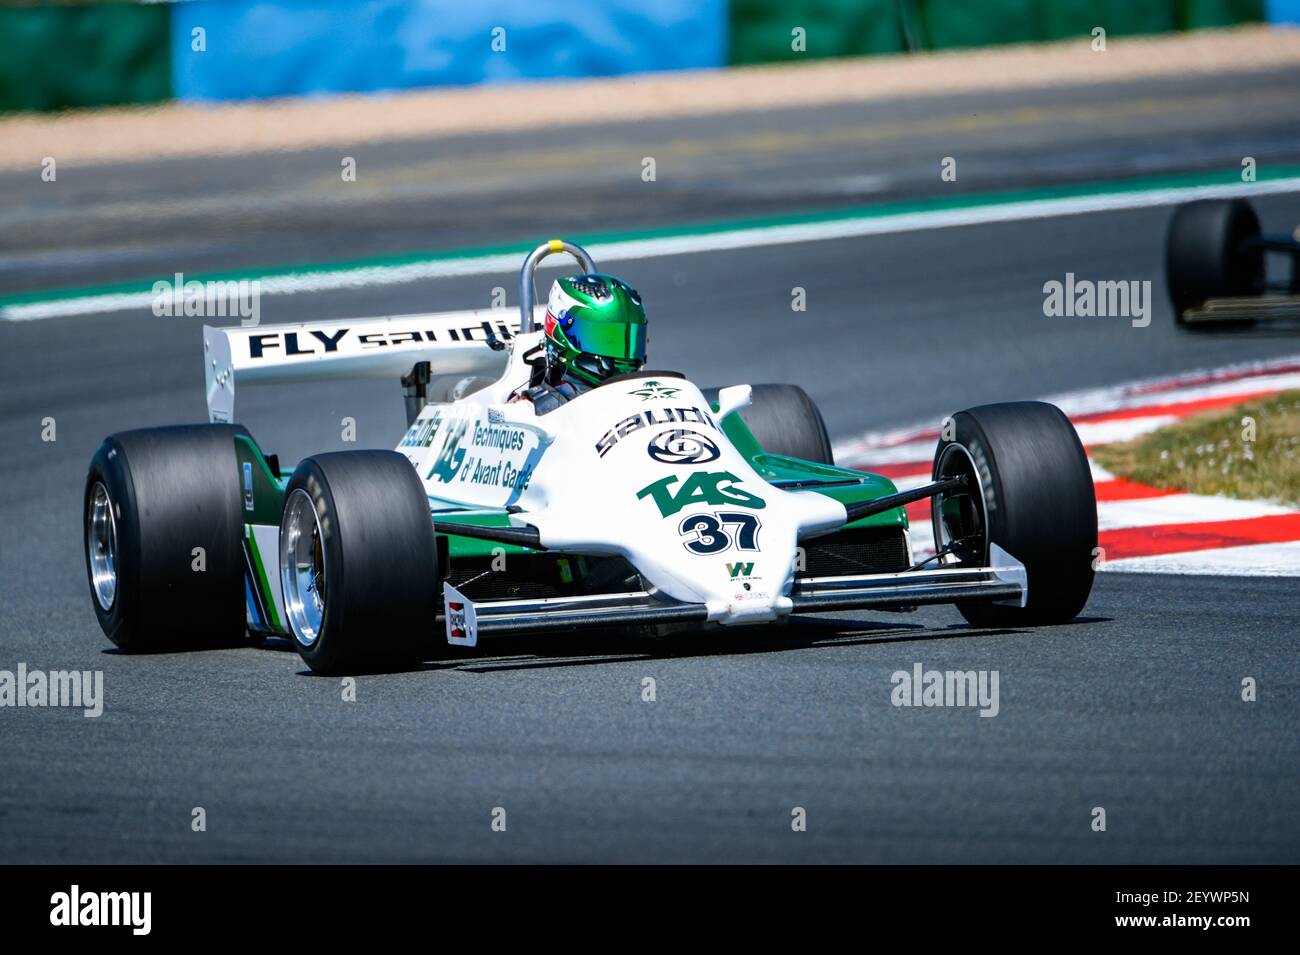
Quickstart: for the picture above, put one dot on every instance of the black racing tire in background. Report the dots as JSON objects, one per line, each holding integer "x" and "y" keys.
{"x": 785, "y": 421}
{"x": 359, "y": 564}
{"x": 1032, "y": 495}
{"x": 152, "y": 497}
{"x": 1204, "y": 257}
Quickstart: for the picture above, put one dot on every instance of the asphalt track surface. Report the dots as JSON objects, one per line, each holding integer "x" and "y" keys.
{"x": 1136, "y": 707}
{"x": 147, "y": 219}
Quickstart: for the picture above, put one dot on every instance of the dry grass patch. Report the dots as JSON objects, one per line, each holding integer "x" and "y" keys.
{"x": 1250, "y": 451}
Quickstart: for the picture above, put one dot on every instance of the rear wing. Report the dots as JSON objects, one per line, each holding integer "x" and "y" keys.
{"x": 453, "y": 343}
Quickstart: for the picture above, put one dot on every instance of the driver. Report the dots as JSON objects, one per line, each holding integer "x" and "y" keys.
{"x": 595, "y": 329}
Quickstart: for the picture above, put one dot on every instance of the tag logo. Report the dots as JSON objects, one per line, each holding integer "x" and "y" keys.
{"x": 452, "y": 455}
{"x": 701, "y": 487}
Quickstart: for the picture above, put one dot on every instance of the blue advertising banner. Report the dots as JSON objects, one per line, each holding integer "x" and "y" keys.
{"x": 241, "y": 49}
{"x": 1284, "y": 11}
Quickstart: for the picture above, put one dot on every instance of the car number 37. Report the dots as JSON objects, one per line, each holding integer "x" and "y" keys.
{"x": 709, "y": 533}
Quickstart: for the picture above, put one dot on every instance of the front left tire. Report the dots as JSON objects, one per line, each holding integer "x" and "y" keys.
{"x": 162, "y": 535}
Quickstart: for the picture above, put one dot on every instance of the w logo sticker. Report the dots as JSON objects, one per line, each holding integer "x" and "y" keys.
{"x": 740, "y": 570}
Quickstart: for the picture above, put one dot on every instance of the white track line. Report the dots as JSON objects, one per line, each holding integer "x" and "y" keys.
{"x": 1181, "y": 509}
{"x": 914, "y": 452}
{"x": 912, "y": 480}
{"x": 916, "y": 443}
{"x": 1089, "y": 403}
{"x": 1249, "y": 560}
{"x": 915, "y": 446}
{"x": 1121, "y": 429}
{"x": 922, "y": 542}
{"x": 724, "y": 240}
{"x": 921, "y": 452}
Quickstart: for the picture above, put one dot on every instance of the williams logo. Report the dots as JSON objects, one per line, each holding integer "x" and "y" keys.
{"x": 741, "y": 569}
{"x": 682, "y": 446}
{"x": 652, "y": 389}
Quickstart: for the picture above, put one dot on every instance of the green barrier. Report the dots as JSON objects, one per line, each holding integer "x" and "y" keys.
{"x": 762, "y": 31}
{"x": 958, "y": 23}
{"x": 1197, "y": 14}
{"x": 1063, "y": 19}
{"x": 57, "y": 57}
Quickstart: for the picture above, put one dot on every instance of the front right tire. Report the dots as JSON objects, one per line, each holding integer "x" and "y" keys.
{"x": 1030, "y": 492}
{"x": 359, "y": 564}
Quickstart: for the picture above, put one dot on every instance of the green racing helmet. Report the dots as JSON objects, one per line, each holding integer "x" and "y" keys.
{"x": 595, "y": 328}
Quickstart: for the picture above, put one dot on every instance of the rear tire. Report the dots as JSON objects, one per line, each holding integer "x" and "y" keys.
{"x": 153, "y": 496}
{"x": 785, "y": 421}
{"x": 1204, "y": 258}
{"x": 359, "y": 564}
{"x": 1032, "y": 496}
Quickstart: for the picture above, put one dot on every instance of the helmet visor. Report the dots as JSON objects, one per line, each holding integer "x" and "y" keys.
{"x": 595, "y": 369}
{"x": 623, "y": 341}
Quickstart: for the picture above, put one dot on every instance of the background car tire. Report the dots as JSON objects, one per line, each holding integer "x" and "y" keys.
{"x": 169, "y": 490}
{"x": 1038, "y": 504}
{"x": 382, "y": 586}
{"x": 1204, "y": 258}
{"x": 785, "y": 421}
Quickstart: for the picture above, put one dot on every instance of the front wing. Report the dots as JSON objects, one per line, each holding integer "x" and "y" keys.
{"x": 1003, "y": 581}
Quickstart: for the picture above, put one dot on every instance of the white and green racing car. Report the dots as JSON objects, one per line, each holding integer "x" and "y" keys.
{"x": 643, "y": 501}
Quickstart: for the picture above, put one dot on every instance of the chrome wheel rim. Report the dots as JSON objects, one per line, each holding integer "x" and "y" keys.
{"x": 946, "y": 468}
{"x": 302, "y": 568}
{"x": 101, "y": 546}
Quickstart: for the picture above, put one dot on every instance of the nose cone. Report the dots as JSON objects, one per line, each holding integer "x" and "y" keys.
{"x": 753, "y": 594}
{"x": 666, "y": 489}
{"x": 751, "y": 578}
{"x": 744, "y": 565}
